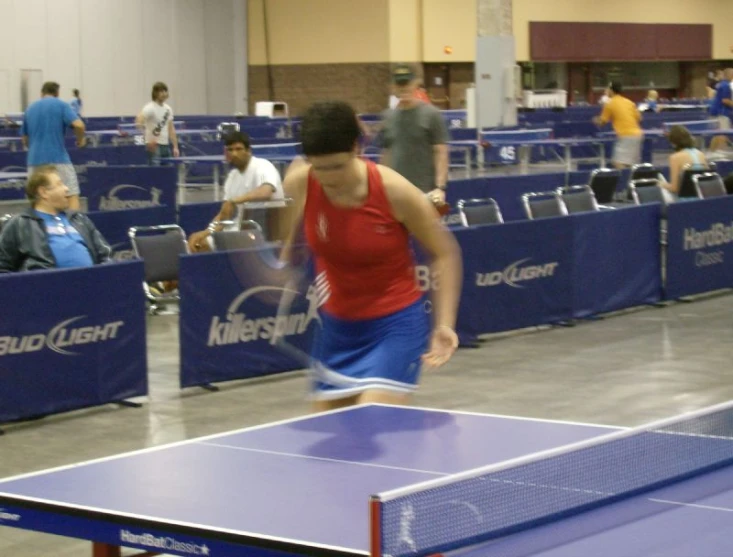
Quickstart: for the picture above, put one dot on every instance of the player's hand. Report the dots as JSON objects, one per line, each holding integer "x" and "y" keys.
{"x": 176, "y": 152}
{"x": 597, "y": 121}
{"x": 81, "y": 141}
{"x": 443, "y": 343}
{"x": 197, "y": 241}
{"x": 151, "y": 146}
{"x": 437, "y": 196}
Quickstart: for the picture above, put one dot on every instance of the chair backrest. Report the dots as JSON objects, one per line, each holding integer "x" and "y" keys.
{"x": 578, "y": 199}
{"x": 475, "y": 212}
{"x": 225, "y": 240}
{"x": 646, "y": 190}
{"x": 541, "y": 205}
{"x": 643, "y": 171}
{"x": 159, "y": 247}
{"x": 604, "y": 182}
{"x": 728, "y": 181}
{"x": 687, "y": 185}
{"x": 709, "y": 185}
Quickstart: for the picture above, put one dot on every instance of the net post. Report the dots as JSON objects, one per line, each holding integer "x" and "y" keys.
{"x": 375, "y": 526}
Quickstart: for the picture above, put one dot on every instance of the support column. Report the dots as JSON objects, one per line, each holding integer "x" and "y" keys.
{"x": 496, "y": 73}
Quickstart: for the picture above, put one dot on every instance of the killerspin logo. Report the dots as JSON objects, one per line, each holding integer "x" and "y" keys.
{"x": 117, "y": 198}
{"x": 237, "y": 327}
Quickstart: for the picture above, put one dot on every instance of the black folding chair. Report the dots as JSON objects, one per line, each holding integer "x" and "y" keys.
{"x": 604, "y": 182}
{"x": 709, "y": 185}
{"x": 475, "y": 212}
{"x": 160, "y": 248}
{"x": 542, "y": 205}
{"x": 578, "y": 199}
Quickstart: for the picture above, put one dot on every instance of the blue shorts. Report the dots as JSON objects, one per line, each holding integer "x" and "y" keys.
{"x": 350, "y": 357}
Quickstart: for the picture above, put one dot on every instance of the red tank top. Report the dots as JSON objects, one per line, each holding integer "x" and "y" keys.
{"x": 363, "y": 256}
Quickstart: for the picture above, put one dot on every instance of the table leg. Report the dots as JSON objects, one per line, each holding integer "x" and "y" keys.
{"x": 181, "y": 183}
{"x": 217, "y": 193}
{"x": 602, "y": 151}
{"x": 568, "y": 158}
{"x": 525, "y": 152}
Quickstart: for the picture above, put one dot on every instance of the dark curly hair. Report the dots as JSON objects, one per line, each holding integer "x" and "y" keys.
{"x": 329, "y": 127}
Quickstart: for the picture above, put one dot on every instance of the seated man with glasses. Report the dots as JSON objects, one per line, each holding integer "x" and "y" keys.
{"x": 46, "y": 236}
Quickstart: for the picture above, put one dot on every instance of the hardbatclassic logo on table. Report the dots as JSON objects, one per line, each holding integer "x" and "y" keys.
{"x": 61, "y": 338}
{"x": 8, "y": 517}
{"x": 516, "y": 273}
{"x": 166, "y": 543}
{"x": 127, "y": 196}
{"x": 236, "y": 327}
{"x": 719, "y": 234}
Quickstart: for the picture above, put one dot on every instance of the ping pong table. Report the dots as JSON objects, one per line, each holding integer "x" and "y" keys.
{"x": 280, "y": 154}
{"x": 322, "y": 485}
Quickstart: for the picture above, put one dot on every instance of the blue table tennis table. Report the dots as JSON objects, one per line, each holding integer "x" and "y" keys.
{"x": 307, "y": 486}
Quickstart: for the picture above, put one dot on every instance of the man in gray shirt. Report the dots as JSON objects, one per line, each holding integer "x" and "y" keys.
{"x": 415, "y": 138}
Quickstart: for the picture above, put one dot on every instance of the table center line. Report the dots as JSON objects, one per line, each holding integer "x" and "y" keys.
{"x": 340, "y": 461}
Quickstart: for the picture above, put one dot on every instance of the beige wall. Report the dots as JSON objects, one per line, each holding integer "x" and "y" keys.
{"x": 449, "y": 23}
{"x": 354, "y": 31}
{"x": 405, "y": 31}
{"x": 319, "y": 31}
{"x": 718, "y": 12}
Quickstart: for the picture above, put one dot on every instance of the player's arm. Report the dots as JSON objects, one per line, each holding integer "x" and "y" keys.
{"x": 440, "y": 138}
{"x": 411, "y": 207}
{"x": 80, "y": 132}
{"x": 440, "y": 158}
{"x": 173, "y": 138}
{"x": 675, "y": 175}
{"x": 140, "y": 120}
{"x": 605, "y": 116}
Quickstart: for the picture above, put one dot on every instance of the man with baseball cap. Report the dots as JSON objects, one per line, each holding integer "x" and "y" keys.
{"x": 415, "y": 138}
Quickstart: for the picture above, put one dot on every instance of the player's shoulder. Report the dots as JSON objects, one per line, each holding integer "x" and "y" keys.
{"x": 395, "y": 185}
{"x": 295, "y": 180}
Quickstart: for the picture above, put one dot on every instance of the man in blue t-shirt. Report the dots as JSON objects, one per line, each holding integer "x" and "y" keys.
{"x": 722, "y": 105}
{"x": 44, "y": 124}
{"x": 46, "y": 236}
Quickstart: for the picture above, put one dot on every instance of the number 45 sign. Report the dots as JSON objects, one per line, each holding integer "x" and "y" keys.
{"x": 508, "y": 153}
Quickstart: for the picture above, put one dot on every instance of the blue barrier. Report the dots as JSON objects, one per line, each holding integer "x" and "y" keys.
{"x": 516, "y": 275}
{"x": 193, "y": 217}
{"x": 700, "y": 246}
{"x": 616, "y": 260}
{"x": 133, "y": 187}
{"x": 227, "y": 318}
{"x": 114, "y": 225}
{"x": 85, "y": 348}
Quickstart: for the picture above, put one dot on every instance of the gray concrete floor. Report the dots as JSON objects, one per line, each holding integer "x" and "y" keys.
{"x": 624, "y": 370}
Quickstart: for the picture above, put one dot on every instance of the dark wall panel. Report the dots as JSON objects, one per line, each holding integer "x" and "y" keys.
{"x": 583, "y": 42}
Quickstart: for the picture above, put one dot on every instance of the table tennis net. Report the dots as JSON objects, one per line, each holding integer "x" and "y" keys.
{"x": 494, "y": 501}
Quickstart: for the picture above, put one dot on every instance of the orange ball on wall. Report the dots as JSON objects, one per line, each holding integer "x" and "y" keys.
{"x": 448, "y": 50}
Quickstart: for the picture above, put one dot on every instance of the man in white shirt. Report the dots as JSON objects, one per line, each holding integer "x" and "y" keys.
{"x": 251, "y": 179}
{"x": 156, "y": 118}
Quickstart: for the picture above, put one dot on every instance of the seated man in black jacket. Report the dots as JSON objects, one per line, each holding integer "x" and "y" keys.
{"x": 45, "y": 236}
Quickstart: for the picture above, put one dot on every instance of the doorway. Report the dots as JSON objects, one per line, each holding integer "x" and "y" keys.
{"x": 437, "y": 84}
{"x": 31, "y": 82}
